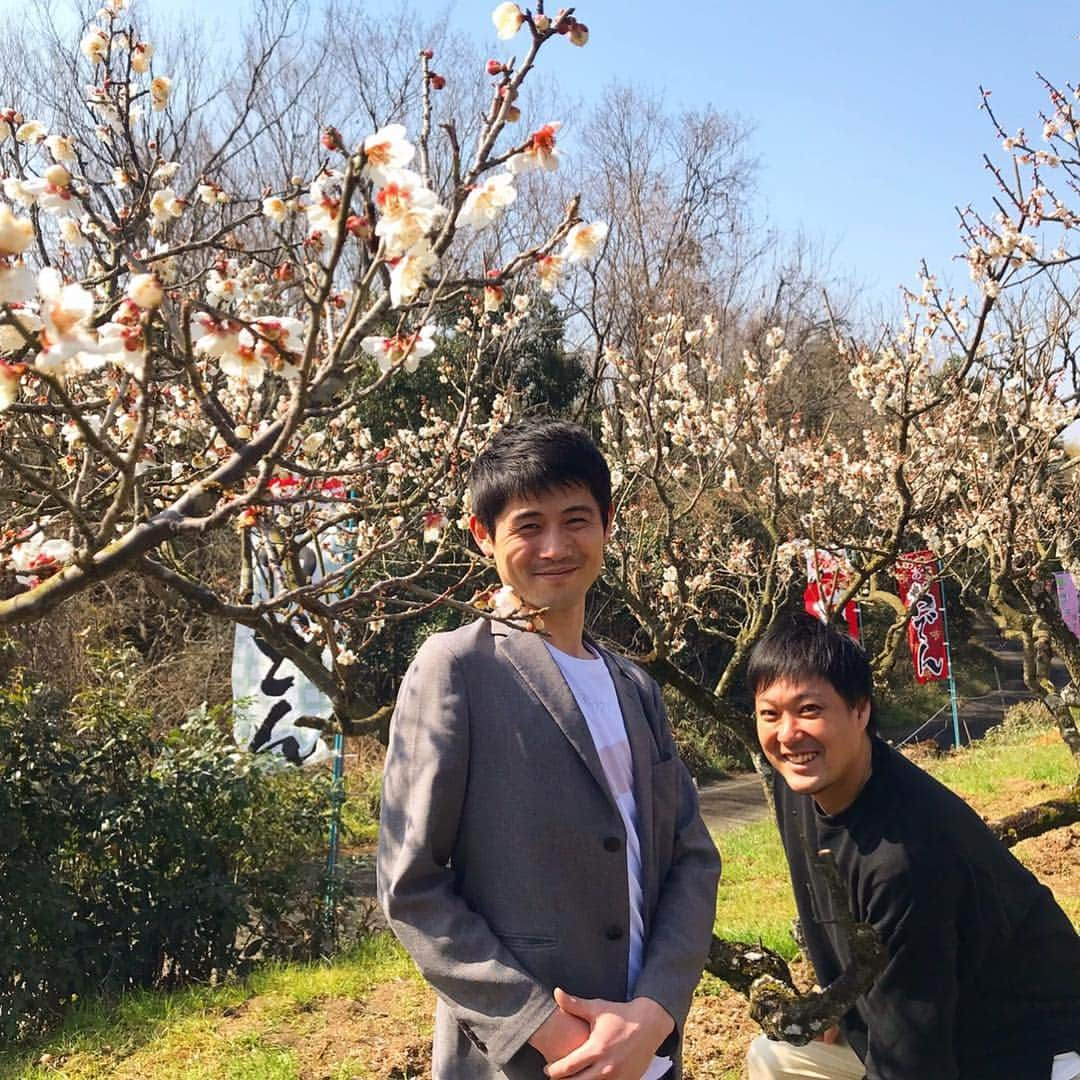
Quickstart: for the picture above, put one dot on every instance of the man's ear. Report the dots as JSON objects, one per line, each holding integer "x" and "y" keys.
{"x": 480, "y": 535}
{"x": 864, "y": 708}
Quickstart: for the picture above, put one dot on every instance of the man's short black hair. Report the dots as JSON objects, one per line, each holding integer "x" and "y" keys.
{"x": 532, "y": 457}
{"x": 798, "y": 647}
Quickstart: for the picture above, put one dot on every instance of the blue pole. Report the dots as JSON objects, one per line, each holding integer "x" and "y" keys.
{"x": 948, "y": 660}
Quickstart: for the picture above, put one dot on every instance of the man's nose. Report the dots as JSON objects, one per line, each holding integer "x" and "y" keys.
{"x": 553, "y": 543}
{"x": 788, "y": 728}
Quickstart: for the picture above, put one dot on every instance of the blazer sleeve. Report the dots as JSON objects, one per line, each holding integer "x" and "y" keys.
{"x": 681, "y": 930}
{"x": 496, "y": 1003}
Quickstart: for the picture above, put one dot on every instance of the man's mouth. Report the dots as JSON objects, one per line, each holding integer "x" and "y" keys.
{"x": 562, "y": 572}
{"x": 801, "y": 759}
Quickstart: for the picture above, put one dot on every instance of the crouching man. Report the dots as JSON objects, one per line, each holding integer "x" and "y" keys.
{"x": 982, "y": 978}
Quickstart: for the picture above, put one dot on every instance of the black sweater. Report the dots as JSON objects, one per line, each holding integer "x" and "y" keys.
{"x": 983, "y": 976}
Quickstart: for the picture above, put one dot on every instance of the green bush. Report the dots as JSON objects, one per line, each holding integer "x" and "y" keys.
{"x": 127, "y": 861}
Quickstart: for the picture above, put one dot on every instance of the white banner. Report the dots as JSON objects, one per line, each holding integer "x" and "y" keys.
{"x": 277, "y": 693}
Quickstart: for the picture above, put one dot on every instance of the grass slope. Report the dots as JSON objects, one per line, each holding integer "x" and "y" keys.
{"x": 367, "y": 1015}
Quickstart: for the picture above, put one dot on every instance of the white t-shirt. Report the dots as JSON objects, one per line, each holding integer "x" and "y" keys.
{"x": 590, "y": 682}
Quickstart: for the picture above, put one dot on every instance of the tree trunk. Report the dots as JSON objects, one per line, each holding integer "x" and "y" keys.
{"x": 1036, "y": 820}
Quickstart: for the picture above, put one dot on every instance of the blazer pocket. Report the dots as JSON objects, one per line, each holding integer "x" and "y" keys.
{"x": 516, "y": 942}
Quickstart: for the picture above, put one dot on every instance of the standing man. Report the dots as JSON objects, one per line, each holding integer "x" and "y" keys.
{"x": 541, "y": 854}
{"x": 982, "y": 977}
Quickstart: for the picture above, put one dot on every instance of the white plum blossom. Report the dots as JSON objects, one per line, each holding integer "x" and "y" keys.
{"x": 69, "y": 346}
{"x": 540, "y": 151}
{"x": 275, "y": 208}
{"x": 165, "y": 172}
{"x": 505, "y": 602}
{"x": 140, "y": 57}
{"x": 160, "y": 88}
{"x": 507, "y": 18}
{"x": 16, "y": 233}
{"x": 217, "y": 338}
{"x": 38, "y": 555}
{"x": 325, "y": 207}
{"x": 485, "y": 203}
{"x": 32, "y": 132}
{"x": 124, "y": 345}
{"x": 409, "y": 211}
{"x": 549, "y": 269}
{"x": 275, "y": 341}
{"x": 95, "y": 45}
{"x": 164, "y": 206}
{"x": 18, "y": 191}
{"x": 386, "y": 151}
{"x": 434, "y": 523}
{"x": 774, "y": 338}
{"x": 583, "y": 241}
{"x": 145, "y": 291}
{"x": 404, "y": 349}
{"x": 72, "y": 234}
{"x": 10, "y": 374}
{"x": 407, "y": 274}
{"x": 16, "y": 284}
{"x": 7, "y": 120}
{"x": 62, "y": 148}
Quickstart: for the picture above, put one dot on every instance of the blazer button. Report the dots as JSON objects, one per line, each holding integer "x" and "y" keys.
{"x": 613, "y": 933}
{"x": 612, "y": 843}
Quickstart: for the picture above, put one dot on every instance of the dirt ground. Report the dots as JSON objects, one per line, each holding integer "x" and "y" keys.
{"x": 387, "y": 1034}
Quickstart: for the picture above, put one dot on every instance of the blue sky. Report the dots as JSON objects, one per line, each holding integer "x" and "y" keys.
{"x": 866, "y": 115}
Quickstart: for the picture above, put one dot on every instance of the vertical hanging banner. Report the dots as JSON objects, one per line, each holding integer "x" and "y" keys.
{"x": 828, "y": 574}
{"x": 1068, "y": 601}
{"x": 277, "y": 693}
{"x": 920, "y": 592}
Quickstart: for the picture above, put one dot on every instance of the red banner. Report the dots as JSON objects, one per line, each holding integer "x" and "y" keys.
{"x": 827, "y": 576}
{"x": 920, "y": 591}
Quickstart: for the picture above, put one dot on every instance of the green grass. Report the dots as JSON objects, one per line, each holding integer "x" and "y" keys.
{"x": 754, "y": 901}
{"x": 1004, "y": 757}
{"x": 183, "y": 1034}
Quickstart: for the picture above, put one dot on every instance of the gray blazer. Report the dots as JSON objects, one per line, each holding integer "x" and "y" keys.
{"x": 502, "y": 862}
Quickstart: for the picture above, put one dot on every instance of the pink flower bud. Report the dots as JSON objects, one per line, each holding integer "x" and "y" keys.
{"x": 495, "y": 67}
{"x": 427, "y": 54}
{"x": 579, "y": 34}
{"x": 437, "y": 81}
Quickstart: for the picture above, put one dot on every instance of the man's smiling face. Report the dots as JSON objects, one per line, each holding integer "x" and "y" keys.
{"x": 815, "y": 740}
{"x": 548, "y": 547}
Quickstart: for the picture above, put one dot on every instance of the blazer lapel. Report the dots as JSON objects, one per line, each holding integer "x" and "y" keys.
{"x": 529, "y": 655}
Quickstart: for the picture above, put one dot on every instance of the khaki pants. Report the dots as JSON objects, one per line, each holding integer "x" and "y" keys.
{"x": 767, "y": 1060}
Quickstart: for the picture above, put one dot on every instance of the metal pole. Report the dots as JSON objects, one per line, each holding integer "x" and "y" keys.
{"x": 337, "y": 797}
{"x": 948, "y": 660}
